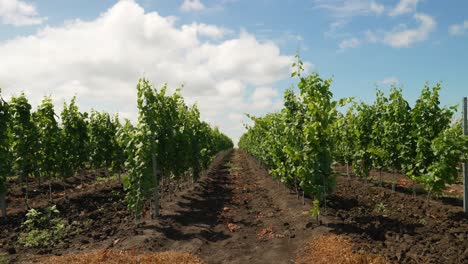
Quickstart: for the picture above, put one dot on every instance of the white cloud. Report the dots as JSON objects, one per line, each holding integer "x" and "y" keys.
{"x": 204, "y": 30}
{"x": 337, "y": 24}
{"x": 334, "y": 29}
{"x": 402, "y": 37}
{"x": 349, "y": 44}
{"x": 231, "y": 88}
{"x": 389, "y": 81}
{"x": 350, "y": 8}
{"x": 404, "y": 7}
{"x": 236, "y": 117}
{"x": 101, "y": 60}
{"x": 284, "y": 39}
{"x": 371, "y": 36}
{"x": 19, "y": 13}
{"x": 343, "y": 12}
{"x": 263, "y": 98}
{"x": 376, "y": 8}
{"x": 192, "y": 5}
{"x": 459, "y": 29}
{"x": 292, "y": 37}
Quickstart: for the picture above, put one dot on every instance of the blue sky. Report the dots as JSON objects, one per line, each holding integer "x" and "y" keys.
{"x": 232, "y": 55}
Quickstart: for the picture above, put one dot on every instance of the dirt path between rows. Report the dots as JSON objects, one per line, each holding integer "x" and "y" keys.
{"x": 234, "y": 215}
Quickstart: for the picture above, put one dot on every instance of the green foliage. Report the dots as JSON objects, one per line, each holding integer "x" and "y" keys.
{"x": 167, "y": 128}
{"x": 266, "y": 141}
{"x": 25, "y": 137}
{"x": 344, "y": 138}
{"x": 298, "y": 142}
{"x": 174, "y": 134}
{"x": 363, "y": 123}
{"x": 43, "y": 229}
{"x": 49, "y": 138}
{"x": 102, "y": 132}
{"x": 111, "y": 177}
{"x": 315, "y": 210}
{"x": 380, "y": 208}
{"x": 422, "y": 221}
{"x": 379, "y": 155}
{"x": 320, "y": 113}
{"x": 74, "y": 139}
{"x": 389, "y": 135}
{"x": 448, "y": 148}
{"x": 428, "y": 120}
{"x": 119, "y": 142}
{"x": 5, "y": 144}
{"x": 397, "y": 140}
{"x": 4, "y": 258}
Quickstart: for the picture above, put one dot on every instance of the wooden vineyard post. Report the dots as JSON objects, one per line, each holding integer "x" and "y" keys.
{"x": 465, "y": 164}
{"x": 3, "y": 204}
{"x": 155, "y": 191}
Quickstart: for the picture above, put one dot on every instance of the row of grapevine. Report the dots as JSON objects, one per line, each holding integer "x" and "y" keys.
{"x": 169, "y": 140}
{"x": 424, "y": 142}
{"x": 300, "y": 142}
{"x": 41, "y": 145}
{"x": 34, "y": 144}
{"x": 296, "y": 142}
{"x": 4, "y": 152}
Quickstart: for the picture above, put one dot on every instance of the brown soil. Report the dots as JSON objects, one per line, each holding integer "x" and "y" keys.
{"x": 234, "y": 215}
{"x": 237, "y": 213}
{"x": 402, "y": 227}
{"x": 453, "y": 194}
{"x": 39, "y": 191}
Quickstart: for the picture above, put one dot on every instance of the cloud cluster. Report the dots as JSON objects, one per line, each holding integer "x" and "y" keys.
{"x": 399, "y": 37}
{"x": 402, "y": 36}
{"x": 389, "y": 81}
{"x": 404, "y": 7}
{"x": 263, "y": 98}
{"x": 19, "y": 13}
{"x": 192, "y": 5}
{"x": 350, "y": 8}
{"x": 349, "y": 44}
{"x": 459, "y": 29}
{"x": 347, "y": 9}
{"x": 101, "y": 60}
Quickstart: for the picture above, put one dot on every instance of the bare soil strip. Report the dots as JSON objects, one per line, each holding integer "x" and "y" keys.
{"x": 233, "y": 216}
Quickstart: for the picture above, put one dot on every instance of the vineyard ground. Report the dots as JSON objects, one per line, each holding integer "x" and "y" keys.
{"x": 238, "y": 214}
{"x": 453, "y": 194}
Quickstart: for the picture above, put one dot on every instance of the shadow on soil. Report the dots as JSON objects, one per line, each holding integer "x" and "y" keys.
{"x": 201, "y": 209}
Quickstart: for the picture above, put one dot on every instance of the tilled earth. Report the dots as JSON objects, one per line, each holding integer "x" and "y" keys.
{"x": 402, "y": 227}
{"x": 233, "y": 216}
{"x": 237, "y": 213}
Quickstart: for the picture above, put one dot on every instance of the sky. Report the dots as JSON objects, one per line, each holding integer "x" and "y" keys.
{"x": 232, "y": 56}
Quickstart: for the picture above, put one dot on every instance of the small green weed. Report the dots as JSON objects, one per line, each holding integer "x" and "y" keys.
{"x": 315, "y": 211}
{"x": 380, "y": 208}
{"x": 231, "y": 166}
{"x": 43, "y": 229}
{"x": 4, "y": 259}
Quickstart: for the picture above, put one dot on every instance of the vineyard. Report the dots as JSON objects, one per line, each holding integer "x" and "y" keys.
{"x": 319, "y": 181}
{"x": 169, "y": 141}
{"x": 301, "y": 142}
